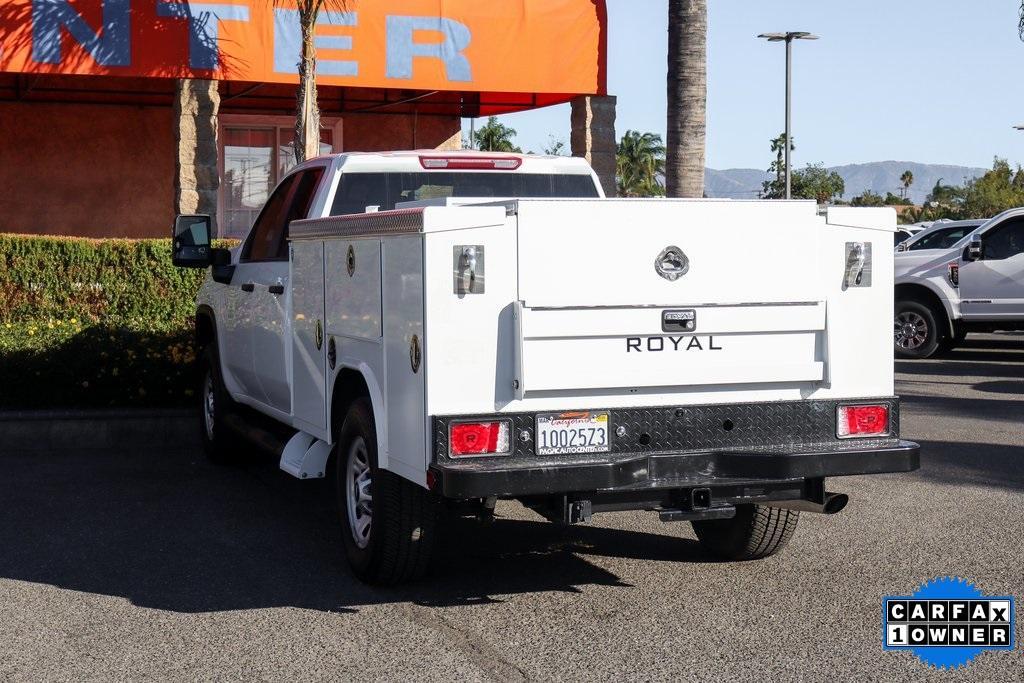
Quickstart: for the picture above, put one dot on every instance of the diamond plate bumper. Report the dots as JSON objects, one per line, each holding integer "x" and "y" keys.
{"x": 740, "y": 447}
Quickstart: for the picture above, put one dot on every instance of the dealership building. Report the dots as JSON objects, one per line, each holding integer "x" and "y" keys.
{"x": 117, "y": 114}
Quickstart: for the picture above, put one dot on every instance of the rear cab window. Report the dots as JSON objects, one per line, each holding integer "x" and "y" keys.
{"x": 358, "y": 191}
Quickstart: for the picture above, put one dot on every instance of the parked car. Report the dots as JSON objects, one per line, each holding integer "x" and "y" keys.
{"x": 900, "y": 236}
{"x": 940, "y": 235}
{"x": 466, "y": 343}
{"x": 960, "y": 278}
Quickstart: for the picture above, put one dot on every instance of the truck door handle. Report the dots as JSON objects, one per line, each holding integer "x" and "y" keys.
{"x": 249, "y": 286}
{"x": 276, "y": 289}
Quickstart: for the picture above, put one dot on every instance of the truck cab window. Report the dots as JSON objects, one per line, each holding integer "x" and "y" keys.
{"x": 268, "y": 240}
{"x": 1005, "y": 241}
{"x": 265, "y": 236}
{"x": 356, "y": 191}
{"x": 302, "y": 201}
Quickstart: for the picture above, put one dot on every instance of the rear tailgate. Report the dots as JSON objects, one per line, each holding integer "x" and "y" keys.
{"x": 595, "y": 312}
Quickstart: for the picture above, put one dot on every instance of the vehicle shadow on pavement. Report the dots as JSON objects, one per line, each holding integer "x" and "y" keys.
{"x": 996, "y": 403}
{"x": 963, "y": 464}
{"x": 166, "y": 530}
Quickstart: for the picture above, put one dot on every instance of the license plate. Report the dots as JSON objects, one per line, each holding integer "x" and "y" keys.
{"x": 563, "y": 433}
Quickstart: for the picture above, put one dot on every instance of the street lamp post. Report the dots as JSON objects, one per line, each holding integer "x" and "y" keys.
{"x": 788, "y": 38}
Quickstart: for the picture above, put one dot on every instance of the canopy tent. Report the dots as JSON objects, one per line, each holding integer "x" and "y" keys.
{"x": 461, "y": 57}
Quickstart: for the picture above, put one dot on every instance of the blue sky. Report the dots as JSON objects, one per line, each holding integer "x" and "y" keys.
{"x": 934, "y": 81}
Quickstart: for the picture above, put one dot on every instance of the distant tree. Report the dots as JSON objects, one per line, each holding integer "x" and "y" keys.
{"x": 1018, "y": 179}
{"x": 868, "y": 198}
{"x": 640, "y": 165}
{"x": 776, "y": 189}
{"x": 555, "y": 147}
{"x": 494, "y": 136}
{"x": 893, "y": 200}
{"x": 817, "y": 183}
{"x": 907, "y": 179}
{"x": 948, "y": 196}
{"x": 992, "y": 193}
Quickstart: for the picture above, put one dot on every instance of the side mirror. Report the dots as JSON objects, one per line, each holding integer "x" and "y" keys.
{"x": 191, "y": 242}
{"x": 222, "y": 270}
{"x": 975, "y": 249}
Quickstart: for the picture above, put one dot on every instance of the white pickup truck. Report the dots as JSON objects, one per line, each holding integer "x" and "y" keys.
{"x": 439, "y": 331}
{"x": 976, "y": 285}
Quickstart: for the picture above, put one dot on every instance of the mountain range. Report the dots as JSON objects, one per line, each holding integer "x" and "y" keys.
{"x": 879, "y": 177}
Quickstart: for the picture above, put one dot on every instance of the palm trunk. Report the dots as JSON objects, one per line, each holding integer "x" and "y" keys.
{"x": 687, "y": 97}
{"x": 307, "y": 119}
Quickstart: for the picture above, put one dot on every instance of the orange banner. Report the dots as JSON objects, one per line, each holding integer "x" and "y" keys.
{"x": 511, "y": 46}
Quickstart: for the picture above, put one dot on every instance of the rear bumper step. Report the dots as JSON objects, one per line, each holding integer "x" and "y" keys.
{"x": 748, "y": 472}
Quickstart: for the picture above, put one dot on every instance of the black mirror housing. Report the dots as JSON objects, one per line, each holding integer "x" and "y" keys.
{"x": 975, "y": 249}
{"x": 190, "y": 241}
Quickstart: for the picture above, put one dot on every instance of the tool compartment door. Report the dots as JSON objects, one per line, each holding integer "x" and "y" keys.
{"x": 309, "y": 347}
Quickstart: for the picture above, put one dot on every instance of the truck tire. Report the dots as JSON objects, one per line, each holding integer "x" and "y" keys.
{"x": 214, "y": 403}
{"x": 389, "y": 524}
{"x": 755, "y": 532}
{"x": 916, "y": 331}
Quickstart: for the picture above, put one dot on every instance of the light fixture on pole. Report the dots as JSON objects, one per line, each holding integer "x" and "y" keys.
{"x": 788, "y": 38}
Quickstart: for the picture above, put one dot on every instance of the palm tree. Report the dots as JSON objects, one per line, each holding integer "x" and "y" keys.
{"x": 687, "y": 97}
{"x": 307, "y": 114}
{"x": 779, "y": 149}
{"x": 640, "y": 164}
{"x": 494, "y": 136}
{"x": 907, "y": 179}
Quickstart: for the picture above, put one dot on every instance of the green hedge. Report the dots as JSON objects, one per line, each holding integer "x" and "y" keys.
{"x": 94, "y": 323}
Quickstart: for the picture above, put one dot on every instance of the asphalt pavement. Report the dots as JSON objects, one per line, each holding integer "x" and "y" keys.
{"x": 151, "y": 563}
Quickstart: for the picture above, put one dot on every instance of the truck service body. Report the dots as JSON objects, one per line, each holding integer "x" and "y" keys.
{"x": 442, "y": 330}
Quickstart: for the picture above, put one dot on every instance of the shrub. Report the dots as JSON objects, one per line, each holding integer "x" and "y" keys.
{"x": 94, "y": 323}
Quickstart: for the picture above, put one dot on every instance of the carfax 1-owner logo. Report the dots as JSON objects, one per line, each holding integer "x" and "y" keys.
{"x": 948, "y": 622}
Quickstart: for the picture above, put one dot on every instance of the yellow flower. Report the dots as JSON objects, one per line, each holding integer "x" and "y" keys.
{"x": 74, "y": 321}
{"x": 31, "y": 332}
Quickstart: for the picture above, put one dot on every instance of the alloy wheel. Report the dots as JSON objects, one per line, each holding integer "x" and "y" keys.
{"x": 910, "y": 330}
{"x": 358, "y": 495}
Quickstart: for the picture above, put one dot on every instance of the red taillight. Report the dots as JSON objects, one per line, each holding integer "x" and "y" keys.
{"x": 458, "y": 163}
{"x": 479, "y": 438}
{"x": 853, "y": 421}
